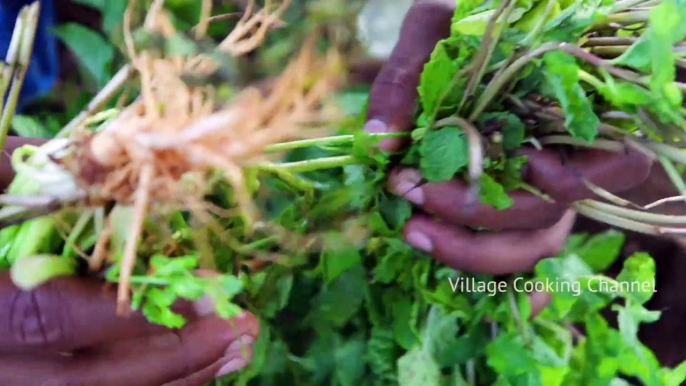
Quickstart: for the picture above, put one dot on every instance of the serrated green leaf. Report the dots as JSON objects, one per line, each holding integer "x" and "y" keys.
{"x": 92, "y": 50}
{"x": 418, "y": 368}
{"x": 436, "y": 76}
{"x": 443, "y": 153}
{"x": 561, "y": 72}
{"x": 638, "y": 277}
{"x": 493, "y": 193}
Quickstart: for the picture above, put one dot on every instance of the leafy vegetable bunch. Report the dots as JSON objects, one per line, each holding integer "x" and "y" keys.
{"x": 342, "y": 299}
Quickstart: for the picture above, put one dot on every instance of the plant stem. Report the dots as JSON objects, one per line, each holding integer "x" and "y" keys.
{"x": 11, "y": 57}
{"x": 590, "y": 79}
{"x": 671, "y": 152}
{"x": 623, "y": 18}
{"x": 540, "y": 24}
{"x": 326, "y": 141}
{"x": 488, "y": 46}
{"x": 609, "y": 41}
{"x": 29, "y": 15}
{"x": 624, "y": 223}
{"x": 626, "y": 4}
{"x": 602, "y": 144}
{"x": 674, "y": 175}
{"x": 636, "y": 214}
{"x": 497, "y": 83}
{"x": 95, "y": 105}
{"x": 317, "y": 164}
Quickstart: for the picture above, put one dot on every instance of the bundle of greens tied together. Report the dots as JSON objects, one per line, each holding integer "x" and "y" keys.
{"x": 312, "y": 242}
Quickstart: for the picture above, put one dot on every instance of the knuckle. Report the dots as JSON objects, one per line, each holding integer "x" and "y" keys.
{"x": 398, "y": 76}
{"x": 39, "y": 317}
{"x": 552, "y": 246}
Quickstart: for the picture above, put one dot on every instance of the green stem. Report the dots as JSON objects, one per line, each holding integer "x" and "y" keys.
{"x": 609, "y": 41}
{"x": 70, "y": 244}
{"x": 623, "y": 18}
{"x": 496, "y": 84}
{"x": 111, "y": 88}
{"x": 33, "y": 271}
{"x": 602, "y": 144}
{"x": 635, "y": 214}
{"x": 540, "y": 24}
{"x": 317, "y": 164}
{"x": 624, "y": 5}
{"x": 28, "y": 22}
{"x": 286, "y": 176}
{"x": 671, "y": 152}
{"x": 624, "y": 223}
{"x": 326, "y": 141}
{"x": 488, "y": 46}
{"x": 590, "y": 79}
{"x": 674, "y": 175}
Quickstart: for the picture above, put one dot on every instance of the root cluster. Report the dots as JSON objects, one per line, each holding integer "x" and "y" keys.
{"x": 161, "y": 149}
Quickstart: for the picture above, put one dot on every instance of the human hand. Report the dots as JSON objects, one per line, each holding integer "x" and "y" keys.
{"x": 529, "y": 230}
{"x": 66, "y": 332}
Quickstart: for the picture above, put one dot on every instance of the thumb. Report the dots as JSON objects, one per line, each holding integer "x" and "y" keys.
{"x": 392, "y": 100}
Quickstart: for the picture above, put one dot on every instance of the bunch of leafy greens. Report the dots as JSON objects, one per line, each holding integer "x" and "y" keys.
{"x": 584, "y": 73}
{"x": 363, "y": 308}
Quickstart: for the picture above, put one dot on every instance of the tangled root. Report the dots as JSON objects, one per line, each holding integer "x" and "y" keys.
{"x": 163, "y": 146}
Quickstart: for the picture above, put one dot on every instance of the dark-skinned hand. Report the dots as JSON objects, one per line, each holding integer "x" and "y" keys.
{"x": 528, "y": 231}
{"x": 66, "y": 332}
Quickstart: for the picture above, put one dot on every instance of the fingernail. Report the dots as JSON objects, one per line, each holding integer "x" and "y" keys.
{"x": 204, "y": 306}
{"x": 420, "y": 241}
{"x": 239, "y": 343}
{"x": 406, "y": 186}
{"x": 232, "y": 366}
{"x": 375, "y": 126}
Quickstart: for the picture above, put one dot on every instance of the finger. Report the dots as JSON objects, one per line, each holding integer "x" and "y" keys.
{"x": 66, "y": 314}
{"x": 564, "y": 180}
{"x": 231, "y": 363}
{"x": 450, "y": 201}
{"x": 538, "y": 302}
{"x": 487, "y": 253}
{"x": 201, "y": 351}
{"x": 392, "y": 100}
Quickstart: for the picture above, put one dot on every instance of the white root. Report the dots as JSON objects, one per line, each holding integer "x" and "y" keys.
{"x": 141, "y": 203}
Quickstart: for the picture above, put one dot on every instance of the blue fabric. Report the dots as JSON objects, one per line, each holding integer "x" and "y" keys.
{"x": 44, "y": 66}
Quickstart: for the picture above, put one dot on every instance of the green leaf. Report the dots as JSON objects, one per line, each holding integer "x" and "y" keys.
{"x": 667, "y": 26}
{"x": 349, "y": 367}
{"x": 418, "y": 368}
{"x": 396, "y": 210}
{"x": 629, "y": 319}
{"x": 443, "y": 153}
{"x": 638, "y": 277}
{"x": 27, "y": 126}
{"x": 493, "y": 193}
{"x": 510, "y": 125}
{"x": 92, "y": 50}
{"x": 508, "y": 355}
{"x": 340, "y": 255}
{"x": 637, "y": 56}
{"x": 436, "y": 76}
{"x": 601, "y": 250}
{"x": 381, "y": 354}
{"x": 561, "y": 72}
{"x": 341, "y": 299}
{"x": 113, "y": 14}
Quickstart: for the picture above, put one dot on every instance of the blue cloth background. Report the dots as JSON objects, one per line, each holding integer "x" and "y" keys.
{"x": 44, "y": 67}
